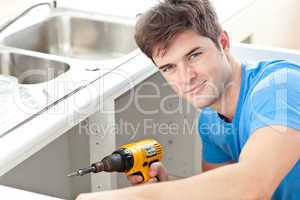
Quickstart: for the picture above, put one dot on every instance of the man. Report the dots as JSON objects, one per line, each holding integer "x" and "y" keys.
{"x": 254, "y": 153}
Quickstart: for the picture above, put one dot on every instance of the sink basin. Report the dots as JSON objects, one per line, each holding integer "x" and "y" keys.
{"x": 76, "y": 37}
{"x": 62, "y": 42}
{"x": 29, "y": 69}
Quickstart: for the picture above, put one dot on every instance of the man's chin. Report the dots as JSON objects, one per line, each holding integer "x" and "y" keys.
{"x": 203, "y": 103}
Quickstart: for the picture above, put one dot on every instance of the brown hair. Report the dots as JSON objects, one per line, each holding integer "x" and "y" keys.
{"x": 160, "y": 24}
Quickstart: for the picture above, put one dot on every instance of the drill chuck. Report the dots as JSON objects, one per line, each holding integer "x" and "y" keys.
{"x": 119, "y": 161}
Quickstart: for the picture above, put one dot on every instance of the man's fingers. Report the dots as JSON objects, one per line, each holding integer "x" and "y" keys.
{"x": 152, "y": 180}
{"x": 135, "y": 179}
{"x": 158, "y": 169}
{"x": 157, "y": 173}
{"x": 154, "y": 169}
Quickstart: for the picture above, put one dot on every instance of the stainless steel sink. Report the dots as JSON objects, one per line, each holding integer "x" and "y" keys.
{"x": 64, "y": 51}
{"x": 67, "y": 34}
{"x": 30, "y": 70}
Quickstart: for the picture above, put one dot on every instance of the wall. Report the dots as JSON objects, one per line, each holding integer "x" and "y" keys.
{"x": 267, "y": 22}
{"x": 11, "y": 7}
{"x": 278, "y": 24}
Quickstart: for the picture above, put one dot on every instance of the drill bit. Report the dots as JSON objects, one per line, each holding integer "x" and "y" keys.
{"x": 73, "y": 174}
{"x": 82, "y": 172}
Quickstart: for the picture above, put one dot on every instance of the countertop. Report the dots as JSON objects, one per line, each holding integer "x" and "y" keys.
{"x": 29, "y": 138}
{"x": 12, "y": 193}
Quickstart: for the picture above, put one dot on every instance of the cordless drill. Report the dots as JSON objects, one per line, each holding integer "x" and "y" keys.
{"x": 132, "y": 159}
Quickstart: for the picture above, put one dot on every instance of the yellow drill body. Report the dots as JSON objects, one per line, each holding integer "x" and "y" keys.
{"x": 144, "y": 153}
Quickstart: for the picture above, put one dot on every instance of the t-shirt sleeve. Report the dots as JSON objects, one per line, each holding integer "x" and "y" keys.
{"x": 211, "y": 153}
{"x": 275, "y": 100}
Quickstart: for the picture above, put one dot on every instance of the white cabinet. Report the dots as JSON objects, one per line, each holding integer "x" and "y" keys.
{"x": 46, "y": 171}
{"x": 13, "y": 193}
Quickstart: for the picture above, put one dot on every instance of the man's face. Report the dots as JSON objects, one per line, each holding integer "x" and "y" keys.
{"x": 195, "y": 68}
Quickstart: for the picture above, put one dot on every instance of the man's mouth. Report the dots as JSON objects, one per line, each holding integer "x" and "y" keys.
{"x": 197, "y": 88}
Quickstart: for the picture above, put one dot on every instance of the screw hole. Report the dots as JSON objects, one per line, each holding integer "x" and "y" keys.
{"x": 92, "y": 69}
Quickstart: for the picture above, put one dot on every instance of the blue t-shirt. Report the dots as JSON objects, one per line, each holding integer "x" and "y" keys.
{"x": 269, "y": 95}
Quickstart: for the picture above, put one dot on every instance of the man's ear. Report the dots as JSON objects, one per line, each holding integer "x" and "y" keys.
{"x": 224, "y": 41}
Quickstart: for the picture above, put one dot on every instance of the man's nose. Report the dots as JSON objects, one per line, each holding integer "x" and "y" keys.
{"x": 187, "y": 74}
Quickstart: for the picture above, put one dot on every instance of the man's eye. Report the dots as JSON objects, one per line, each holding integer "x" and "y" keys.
{"x": 167, "y": 68}
{"x": 195, "y": 55}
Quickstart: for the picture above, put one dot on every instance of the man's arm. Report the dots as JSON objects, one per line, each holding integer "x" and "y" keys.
{"x": 275, "y": 150}
{"x": 206, "y": 166}
{"x": 268, "y": 156}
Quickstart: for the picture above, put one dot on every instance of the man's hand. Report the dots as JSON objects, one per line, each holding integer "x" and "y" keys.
{"x": 157, "y": 171}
